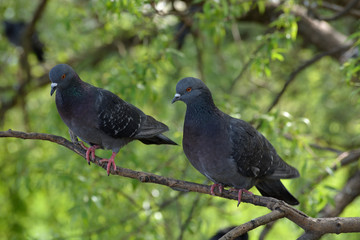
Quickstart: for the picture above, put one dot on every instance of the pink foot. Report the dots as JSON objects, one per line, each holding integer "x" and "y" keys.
{"x": 90, "y": 150}
{"x": 240, "y": 194}
{"x": 110, "y": 161}
{"x": 219, "y": 185}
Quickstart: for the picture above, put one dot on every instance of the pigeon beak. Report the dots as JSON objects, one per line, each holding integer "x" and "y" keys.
{"x": 53, "y": 88}
{"x": 176, "y": 98}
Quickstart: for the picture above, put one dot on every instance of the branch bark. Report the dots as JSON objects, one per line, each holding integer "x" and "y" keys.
{"x": 312, "y": 226}
{"x": 244, "y": 228}
{"x": 349, "y": 192}
{"x": 319, "y": 33}
{"x": 343, "y": 12}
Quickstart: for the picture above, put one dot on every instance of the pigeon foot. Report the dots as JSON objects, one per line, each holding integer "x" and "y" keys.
{"x": 240, "y": 191}
{"x": 219, "y": 185}
{"x": 110, "y": 162}
{"x": 90, "y": 150}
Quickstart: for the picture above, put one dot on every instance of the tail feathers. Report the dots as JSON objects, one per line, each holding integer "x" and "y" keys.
{"x": 275, "y": 189}
{"x": 151, "y": 127}
{"x": 284, "y": 170}
{"x": 158, "y": 139}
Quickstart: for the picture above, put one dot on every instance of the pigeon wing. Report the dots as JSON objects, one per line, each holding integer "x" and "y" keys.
{"x": 254, "y": 154}
{"x": 116, "y": 117}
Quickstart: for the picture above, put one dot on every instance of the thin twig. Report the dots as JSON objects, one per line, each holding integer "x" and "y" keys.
{"x": 299, "y": 69}
{"x": 342, "y": 160}
{"x": 246, "y": 66}
{"x": 190, "y": 216}
{"x": 354, "y": 12}
{"x": 342, "y": 13}
{"x": 199, "y": 53}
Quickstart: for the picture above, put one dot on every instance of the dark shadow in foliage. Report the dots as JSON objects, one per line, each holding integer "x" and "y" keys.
{"x": 183, "y": 28}
{"x": 14, "y": 32}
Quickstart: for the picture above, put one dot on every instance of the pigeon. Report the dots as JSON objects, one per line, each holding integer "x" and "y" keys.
{"x": 222, "y": 232}
{"x": 100, "y": 118}
{"x": 14, "y": 32}
{"x": 229, "y": 151}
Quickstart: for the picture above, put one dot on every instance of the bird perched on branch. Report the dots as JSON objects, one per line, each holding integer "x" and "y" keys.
{"x": 229, "y": 151}
{"x": 99, "y": 117}
{"x": 14, "y": 33}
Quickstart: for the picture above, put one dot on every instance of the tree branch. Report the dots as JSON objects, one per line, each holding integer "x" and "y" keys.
{"x": 246, "y": 66}
{"x": 342, "y": 160}
{"x": 243, "y": 228}
{"x": 318, "y": 226}
{"x": 319, "y": 33}
{"x": 189, "y": 217}
{"x": 335, "y": 7}
{"x": 303, "y": 66}
{"x": 349, "y": 192}
{"x": 341, "y": 13}
{"x": 30, "y": 29}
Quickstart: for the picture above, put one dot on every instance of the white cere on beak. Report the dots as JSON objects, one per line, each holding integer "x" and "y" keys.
{"x": 53, "y": 85}
{"x": 176, "y": 97}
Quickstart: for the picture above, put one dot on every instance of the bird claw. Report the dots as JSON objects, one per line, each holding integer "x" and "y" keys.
{"x": 110, "y": 162}
{"x": 240, "y": 194}
{"x": 90, "y": 150}
{"x": 219, "y": 185}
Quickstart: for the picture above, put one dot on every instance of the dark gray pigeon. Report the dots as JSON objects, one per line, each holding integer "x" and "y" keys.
{"x": 14, "y": 32}
{"x": 99, "y": 117}
{"x": 229, "y": 151}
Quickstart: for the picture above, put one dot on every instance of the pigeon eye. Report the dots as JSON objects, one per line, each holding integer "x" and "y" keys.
{"x": 188, "y": 89}
{"x": 63, "y": 76}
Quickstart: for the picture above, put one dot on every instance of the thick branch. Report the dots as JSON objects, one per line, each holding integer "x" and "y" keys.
{"x": 317, "y": 32}
{"x": 320, "y": 226}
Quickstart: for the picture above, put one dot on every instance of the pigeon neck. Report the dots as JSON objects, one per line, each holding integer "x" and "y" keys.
{"x": 75, "y": 88}
{"x": 202, "y": 107}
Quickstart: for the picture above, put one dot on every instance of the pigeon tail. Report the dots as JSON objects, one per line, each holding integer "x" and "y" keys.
{"x": 275, "y": 189}
{"x": 151, "y": 128}
{"x": 158, "y": 139}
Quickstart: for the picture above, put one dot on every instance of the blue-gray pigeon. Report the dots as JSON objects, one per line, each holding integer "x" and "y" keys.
{"x": 229, "y": 151}
{"x": 99, "y": 117}
{"x": 14, "y": 32}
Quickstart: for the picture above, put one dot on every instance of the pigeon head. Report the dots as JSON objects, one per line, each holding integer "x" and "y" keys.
{"x": 190, "y": 90}
{"x": 61, "y": 76}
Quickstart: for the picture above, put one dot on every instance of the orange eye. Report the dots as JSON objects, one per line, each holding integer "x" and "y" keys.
{"x": 63, "y": 76}
{"x": 188, "y": 89}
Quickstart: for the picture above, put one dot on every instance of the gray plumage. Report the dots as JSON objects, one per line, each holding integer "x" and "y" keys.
{"x": 227, "y": 150}
{"x": 99, "y": 117}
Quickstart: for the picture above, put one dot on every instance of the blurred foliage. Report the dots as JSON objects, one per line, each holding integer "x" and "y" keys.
{"x": 48, "y": 192}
